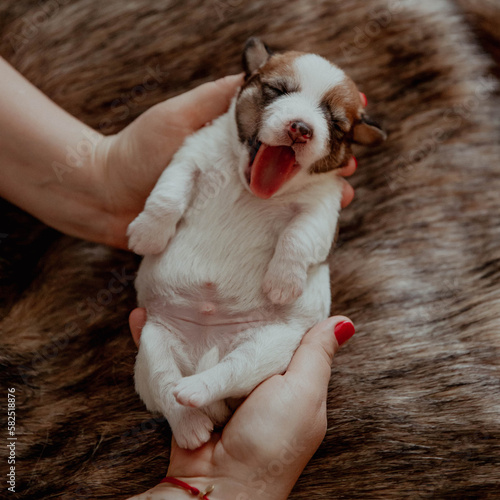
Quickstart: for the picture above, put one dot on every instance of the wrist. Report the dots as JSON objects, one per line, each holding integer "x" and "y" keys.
{"x": 253, "y": 486}
{"x": 224, "y": 489}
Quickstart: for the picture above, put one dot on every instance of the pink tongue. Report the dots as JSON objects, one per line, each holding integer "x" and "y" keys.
{"x": 271, "y": 168}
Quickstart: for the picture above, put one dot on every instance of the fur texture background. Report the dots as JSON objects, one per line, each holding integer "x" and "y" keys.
{"x": 414, "y": 397}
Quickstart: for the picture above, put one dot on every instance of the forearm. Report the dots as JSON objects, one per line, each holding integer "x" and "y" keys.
{"x": 43, "y": 152}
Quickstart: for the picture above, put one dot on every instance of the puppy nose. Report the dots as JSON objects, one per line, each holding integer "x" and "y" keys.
{"x": 300, "y": 130}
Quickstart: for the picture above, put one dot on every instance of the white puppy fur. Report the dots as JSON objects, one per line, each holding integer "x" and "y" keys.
{"x": 231, "y": 282}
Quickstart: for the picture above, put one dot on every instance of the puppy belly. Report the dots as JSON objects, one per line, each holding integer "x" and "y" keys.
{"x": 206, "y": 324}
{"x": 204, "y": 317}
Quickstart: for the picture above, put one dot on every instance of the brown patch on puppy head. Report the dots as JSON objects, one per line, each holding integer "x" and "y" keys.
{"x": 280, "y": 65}
{"x": 363, "y": 129}
{"x": 249, "y": 110}
{"x": 277, "y": 67}
{"x": 268, "y": 81}
{"x": 345, "y": 97}
{"x": 337, "y": 158}
{"x": 258, "y": 59}
{"x": 347, "y": 124}
{"x": 342, "y": 108}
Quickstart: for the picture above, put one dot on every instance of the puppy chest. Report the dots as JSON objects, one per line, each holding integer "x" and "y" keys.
{"x": 228, "y": 233}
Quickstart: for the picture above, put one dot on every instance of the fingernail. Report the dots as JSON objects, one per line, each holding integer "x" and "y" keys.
{"x": 364, "y": 99}
{"x": 344, "y": 331}
{"x": 355, "y": 162}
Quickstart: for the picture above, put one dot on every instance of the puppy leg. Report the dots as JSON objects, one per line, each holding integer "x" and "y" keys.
{"x": 156, "y": 372}
{"x": 304, "y": 242}
{"x": 154, "y": 227}
{"x": 266, "y": 351}
{"x": 285, "y": 280}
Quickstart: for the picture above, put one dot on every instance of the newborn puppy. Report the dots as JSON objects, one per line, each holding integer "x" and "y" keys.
{"x": 235, "y": 237}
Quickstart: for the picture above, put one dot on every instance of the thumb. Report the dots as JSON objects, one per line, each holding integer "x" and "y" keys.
{"x": 312, "y": 362}
{"x": 137, "y": 320}
{"x": 204, "y": 103}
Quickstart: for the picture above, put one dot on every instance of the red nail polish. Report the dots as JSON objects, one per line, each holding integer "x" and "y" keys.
{"x": 355, "y": 162}
{"x": 344, "y": 331}
{"x": 364, "y": 99}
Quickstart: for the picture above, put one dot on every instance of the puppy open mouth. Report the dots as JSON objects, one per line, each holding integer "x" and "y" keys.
{"x": 269, "y": 168}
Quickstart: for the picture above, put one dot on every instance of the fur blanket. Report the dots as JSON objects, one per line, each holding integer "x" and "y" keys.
{"x": 414, "y": 397}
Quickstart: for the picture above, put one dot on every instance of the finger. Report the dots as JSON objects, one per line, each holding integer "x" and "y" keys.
{"x": 350, "y": 168}
{"x": 347, "y": 194}
{"x": 311, "y": 363}
{"x": 206, "y": 102}
{"x": 137, "y": 320}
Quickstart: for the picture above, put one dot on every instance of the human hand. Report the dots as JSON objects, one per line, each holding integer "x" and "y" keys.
{"x": 264, "y": 447}
{"x": 129, "y": 163}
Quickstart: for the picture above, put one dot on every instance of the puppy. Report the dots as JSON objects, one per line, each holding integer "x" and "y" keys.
{"x": 235, "y": 236}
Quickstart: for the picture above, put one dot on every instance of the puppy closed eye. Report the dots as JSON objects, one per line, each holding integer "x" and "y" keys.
{"x": 340, "y": 126}
{"x": 273, "y": 90}
{"x": 336, "y": 124}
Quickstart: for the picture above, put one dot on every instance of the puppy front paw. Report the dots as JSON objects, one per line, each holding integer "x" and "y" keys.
{"x": 150, "y": 235}
{"x": 284, "y": 284}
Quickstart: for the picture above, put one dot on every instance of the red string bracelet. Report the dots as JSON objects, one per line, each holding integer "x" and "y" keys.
{"x": 194, "y": 491}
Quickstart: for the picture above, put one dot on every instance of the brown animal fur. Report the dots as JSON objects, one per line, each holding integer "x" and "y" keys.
{"x": 414, "y": 397}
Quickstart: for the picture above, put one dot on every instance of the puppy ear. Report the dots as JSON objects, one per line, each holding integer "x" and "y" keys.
{"x": 255, "y": 55}
{"x": 368, "y": 132}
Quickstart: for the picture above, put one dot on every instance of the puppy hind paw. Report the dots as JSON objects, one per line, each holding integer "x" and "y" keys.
{"x": 193, "y": 429}
{"x": 285, "y": 286}
{"x": 192, "y": 392}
